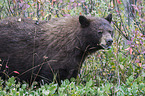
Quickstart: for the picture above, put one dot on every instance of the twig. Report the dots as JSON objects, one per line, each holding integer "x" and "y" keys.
{"x": 31, "y": 69}
{"x": 116, "y": 26}
{"x": 9, "y": 7}
{"x": 128, "y": 38}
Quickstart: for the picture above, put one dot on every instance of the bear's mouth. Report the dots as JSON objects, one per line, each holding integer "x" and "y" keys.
{"x": 105, "y": 46}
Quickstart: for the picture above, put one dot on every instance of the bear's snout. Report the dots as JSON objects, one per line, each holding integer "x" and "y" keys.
{"x": 109, "y": 42}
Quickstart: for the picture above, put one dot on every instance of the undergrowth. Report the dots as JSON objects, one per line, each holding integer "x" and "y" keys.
{"x": 116, "y": 72}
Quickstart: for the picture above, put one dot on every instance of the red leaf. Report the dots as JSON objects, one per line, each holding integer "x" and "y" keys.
{"x": 16, "y": 72}
{"x": 140, "y": 64}
{"x": 7, "y": 66}
{"x": 118, "y": 1}
{"x": 117, "y": 11}
{"x": 130, "y": 50}
{"x": 127, "y": 48}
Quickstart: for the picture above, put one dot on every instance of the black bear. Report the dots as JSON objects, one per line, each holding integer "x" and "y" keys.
{"x": 32, "y": 52}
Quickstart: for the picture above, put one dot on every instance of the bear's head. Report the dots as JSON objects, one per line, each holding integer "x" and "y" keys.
{"x": 99, "y": 31}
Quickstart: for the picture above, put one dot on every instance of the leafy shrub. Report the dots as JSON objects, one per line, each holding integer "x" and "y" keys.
{"x": 118, "y": 71}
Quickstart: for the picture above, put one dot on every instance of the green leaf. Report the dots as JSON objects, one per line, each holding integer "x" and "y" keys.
{"x": 88, "y": 84}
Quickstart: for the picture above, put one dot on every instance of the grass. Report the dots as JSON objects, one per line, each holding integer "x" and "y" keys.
{"x": 118, "y": 71}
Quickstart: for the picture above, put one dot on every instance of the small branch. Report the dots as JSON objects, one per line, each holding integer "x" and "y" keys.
{"x": 9, "y": 7}
{"x": 116, "y": 26}
{"x": 127, "y": 37}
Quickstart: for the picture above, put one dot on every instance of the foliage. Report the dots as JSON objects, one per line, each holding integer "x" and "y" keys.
{"x": 118, "y": 71}
{"x": 132, "y": 87}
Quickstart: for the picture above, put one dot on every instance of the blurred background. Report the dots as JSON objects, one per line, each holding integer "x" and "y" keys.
{"x": 118, "y": 71}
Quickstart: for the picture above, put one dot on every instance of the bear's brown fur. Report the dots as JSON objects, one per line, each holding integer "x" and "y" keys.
{"x": 58, "y": 47}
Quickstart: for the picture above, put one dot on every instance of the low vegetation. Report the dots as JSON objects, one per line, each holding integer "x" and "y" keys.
{"x": 119, "y": 71}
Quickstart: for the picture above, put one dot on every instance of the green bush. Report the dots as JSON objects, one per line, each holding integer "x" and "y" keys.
{"x": 133, "y": 87}
{"x": 118, "y": 71}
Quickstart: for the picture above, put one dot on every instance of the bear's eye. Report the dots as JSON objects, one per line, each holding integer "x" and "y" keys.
{"x": 100, "y": 32}
{"x": 110, "y": 32}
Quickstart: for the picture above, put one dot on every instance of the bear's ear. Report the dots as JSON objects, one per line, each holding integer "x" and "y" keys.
{"x": 84, "y": 21}
{"x": 109, "y": 18}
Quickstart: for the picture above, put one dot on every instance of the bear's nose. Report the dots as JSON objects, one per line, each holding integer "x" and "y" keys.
{"x": 109, "y": 42}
